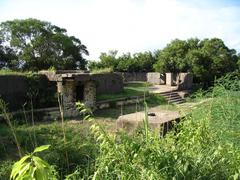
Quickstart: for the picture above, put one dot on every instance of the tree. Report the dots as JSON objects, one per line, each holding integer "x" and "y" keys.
{"x": 109, "y": 59}
{"x": 173, "y": 57}
{"x": 139, "y": 62}
{"x": 7, "y": 57}
{"x": 41, "y": 45}
{"x": 206, "y": 59}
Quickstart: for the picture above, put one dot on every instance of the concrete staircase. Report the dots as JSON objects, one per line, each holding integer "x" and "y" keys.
{"x": 172, "y": 97}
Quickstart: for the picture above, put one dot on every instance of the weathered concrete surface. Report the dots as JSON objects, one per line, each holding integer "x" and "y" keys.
{"x": 16, "y": 90}
{"x": 105, "y": 83}
{"x": 185, "y": 81}
{"x": 90, "y": 94}
{"x": 133, "y": 76}
{"x": 130, "y": 122}
{"x": 156, "y": 78}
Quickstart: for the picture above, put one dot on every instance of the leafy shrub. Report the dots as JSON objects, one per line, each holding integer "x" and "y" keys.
{"x": 33, "y": 167}
{"x": 5, "y": 169}
{"x": 102, "y": 70}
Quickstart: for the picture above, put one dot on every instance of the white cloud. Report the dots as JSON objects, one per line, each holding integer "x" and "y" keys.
{"x": 131, "y": 25}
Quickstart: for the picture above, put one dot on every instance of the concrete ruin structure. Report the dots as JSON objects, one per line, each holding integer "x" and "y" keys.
{"x": 183, "y": 81}
{"x": 83, "y": 86}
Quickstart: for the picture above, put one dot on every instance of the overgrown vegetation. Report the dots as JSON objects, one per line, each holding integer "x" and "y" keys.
{"x": 206, "y": 59}
{"x": 102, "y": 70}
{"x": 205, "y": 145}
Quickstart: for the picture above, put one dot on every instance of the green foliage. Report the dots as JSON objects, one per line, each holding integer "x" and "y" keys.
{"x": 102, "y": 71}
{"x": 80, "y": 145}
{"x": 33, "y": 167}
{"x": 5, "y": 169}
{"x": 154, "y": 99}
{"x": 206, "y": 59}
{"x": 41, "y": 91}
{"x": 8, "y": 57}
{"x": 138, "y": 62}
{"x": 205, "y": 145}
{"x": 84, "y": 111}
{"x": 32, "y": 44}
{"x": 131, "y": 89}
{"x": 12, "y": 72}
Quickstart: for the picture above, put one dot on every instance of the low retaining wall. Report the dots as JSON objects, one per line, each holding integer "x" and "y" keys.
{"x": 119, "y": 102}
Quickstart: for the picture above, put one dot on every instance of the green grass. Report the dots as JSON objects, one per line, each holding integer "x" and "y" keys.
{"x": 114, "y": 112}
{"x": 102, "y": 71}
{"x": 80, "y": 145}
{"x": 131, "y": 89}
{"x": 205, "y": 145}
{"x": 11, "y": 72}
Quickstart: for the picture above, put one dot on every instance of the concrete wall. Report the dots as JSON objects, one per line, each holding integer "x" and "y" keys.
{"x": 108, "y": 83}
{"x": 156, "y": 78}
{"x": 133, "y": 76}
{"x": 185, "y": 81}
{"x": 15, "y": 90}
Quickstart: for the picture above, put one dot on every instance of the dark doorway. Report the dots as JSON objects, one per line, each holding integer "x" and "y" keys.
{"x": 79, "y": 92}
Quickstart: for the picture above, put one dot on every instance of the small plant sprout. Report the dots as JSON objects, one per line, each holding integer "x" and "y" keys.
{"x": 84, "y": 111}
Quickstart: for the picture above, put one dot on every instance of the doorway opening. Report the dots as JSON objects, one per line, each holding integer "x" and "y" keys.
{"x": 80, "y": 92}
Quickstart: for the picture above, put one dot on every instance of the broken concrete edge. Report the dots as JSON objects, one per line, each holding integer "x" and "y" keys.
{"x": 43, "y": 114}
{"x": 130, "y": 123}
{"x": 78, "y": 75}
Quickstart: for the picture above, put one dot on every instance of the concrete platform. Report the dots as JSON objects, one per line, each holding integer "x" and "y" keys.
{"x": 163, "y": 118}
{"x": 162, "y": 88}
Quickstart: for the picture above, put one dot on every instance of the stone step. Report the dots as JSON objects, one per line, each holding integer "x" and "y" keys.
{"x": 172, "y": 97}
{"x": 177, "y": 101}
{"x": 168, "y": 92}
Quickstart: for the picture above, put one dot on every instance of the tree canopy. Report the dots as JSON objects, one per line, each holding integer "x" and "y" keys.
{"x": 206, "y": 59}
{"x": 138, "y": 62}
{"x": 32, "y": 44}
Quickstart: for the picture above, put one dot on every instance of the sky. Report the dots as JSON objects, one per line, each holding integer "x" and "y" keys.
{"x": 133, "y": 25}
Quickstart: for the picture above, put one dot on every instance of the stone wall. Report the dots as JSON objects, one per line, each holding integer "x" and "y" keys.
{"x": 156, "y": 78}
{"x": 133, "y": 76}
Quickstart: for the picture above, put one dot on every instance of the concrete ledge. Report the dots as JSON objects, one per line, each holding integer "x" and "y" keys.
{"x": 160, "y": 120}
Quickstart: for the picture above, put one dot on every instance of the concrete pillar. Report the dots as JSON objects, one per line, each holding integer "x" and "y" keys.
{"x": 185, "y": 81}
{"x": 169, "y": 79}
{"x": 68, "y": 91}
{"x": 90, "y": 94}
